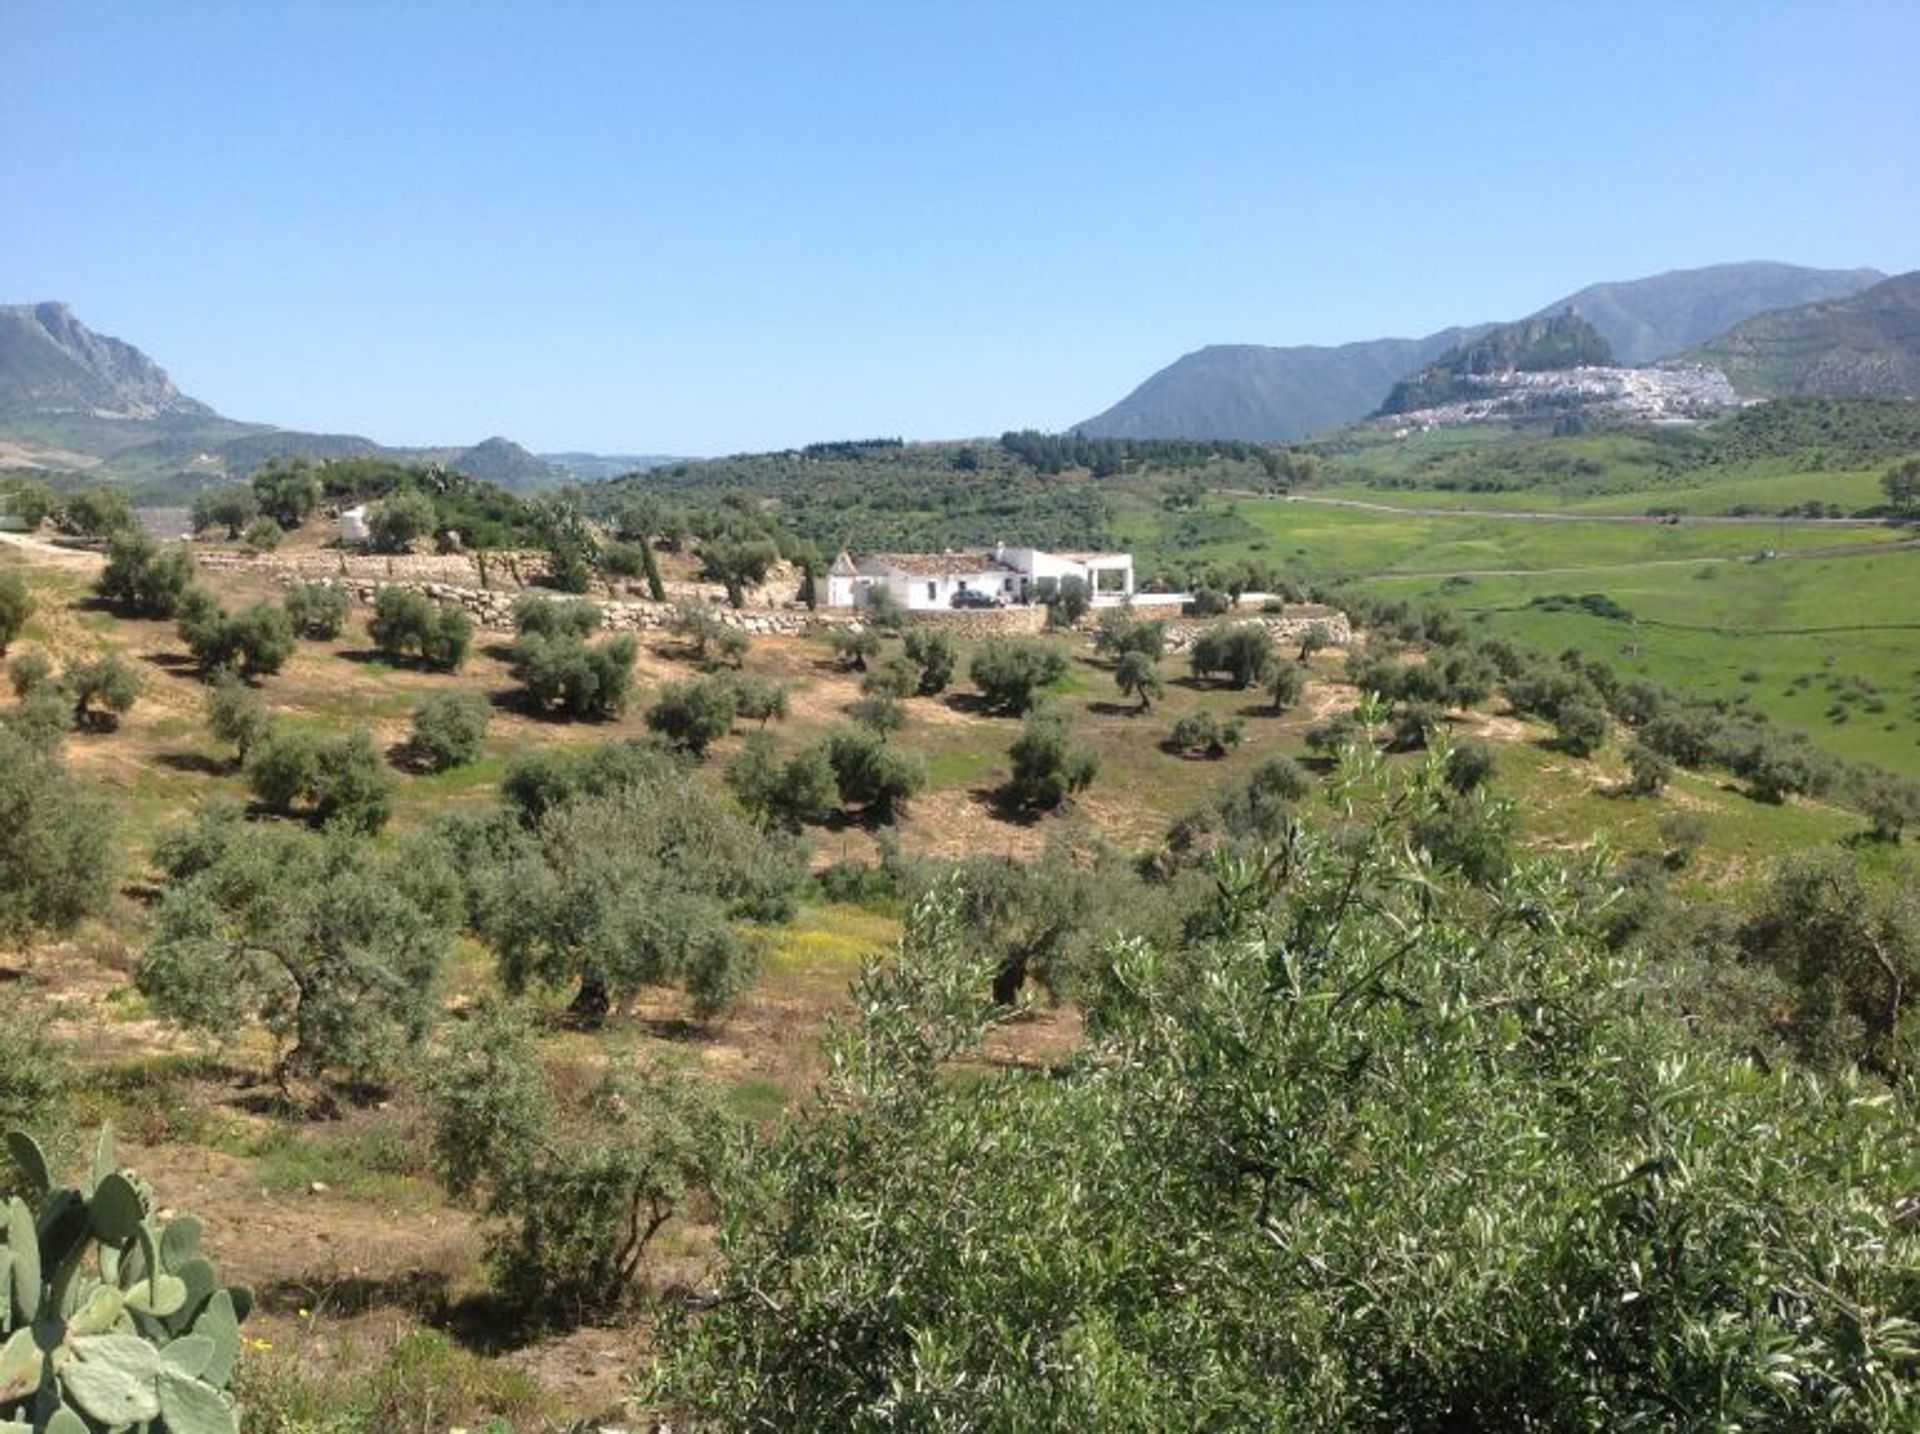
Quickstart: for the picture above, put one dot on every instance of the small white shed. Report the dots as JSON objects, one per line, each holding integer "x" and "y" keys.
{"x": 353, "y": 524}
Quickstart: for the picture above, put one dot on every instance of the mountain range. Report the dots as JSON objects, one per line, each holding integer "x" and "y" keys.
{"x": 1866, "y": 345}
{"x": 72, "y": 400}
{"x": 1263, "y": 394}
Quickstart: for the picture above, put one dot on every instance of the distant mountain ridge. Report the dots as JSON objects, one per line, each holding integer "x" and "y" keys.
{"x": 1866, "y": 345}
{"x": 1256, "y": 393}
{"x": 51, "y": 363}
{"x": 73, "y": 398}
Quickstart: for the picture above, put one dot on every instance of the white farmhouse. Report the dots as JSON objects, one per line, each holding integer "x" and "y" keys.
{"x": 1000, "y": 575}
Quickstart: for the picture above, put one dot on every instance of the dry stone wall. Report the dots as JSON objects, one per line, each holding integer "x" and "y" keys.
{"x": 1290, "y": 625}
{"x": 453, "y": 578}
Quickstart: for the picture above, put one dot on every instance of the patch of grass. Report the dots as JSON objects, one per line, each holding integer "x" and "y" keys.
{"x": 423, "y": 1384}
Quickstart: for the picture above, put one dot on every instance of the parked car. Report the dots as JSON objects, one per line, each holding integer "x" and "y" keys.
{"x": 966, "y": 597}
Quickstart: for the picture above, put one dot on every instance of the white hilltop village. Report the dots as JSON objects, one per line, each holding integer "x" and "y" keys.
{"x": 1677, "y": 394}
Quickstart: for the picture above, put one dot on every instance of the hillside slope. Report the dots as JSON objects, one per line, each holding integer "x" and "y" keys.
{"x": 1256, "y": 394}
{"x": 1864, "y": 346}
{"x": 1644, "y": 320}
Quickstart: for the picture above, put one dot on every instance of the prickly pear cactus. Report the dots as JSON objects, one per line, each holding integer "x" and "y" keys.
{"x": 109, "y": 1320}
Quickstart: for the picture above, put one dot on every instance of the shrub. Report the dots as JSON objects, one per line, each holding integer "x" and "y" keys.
{"x": 407, "y": 624}
{"x": 262, "y": 535}
{"x": 931, "y": 650}
{"x": 1470, "y": 765}
{"x": 143, "y": 579}
{"x": 694, "y": 714}
{"x": 1047, "y": 766}
{"x": 1580, "y": 726}
{"x": 316, "y": 610}
{"x": 1649, "y": 769}
{"x": 1010, "y": 672}
{"x": 1203, "y": 733}
{"x": 32, "y": 503}
{"x": 1208, "y": 602}
{"x": 576, "y": 1191}
{"x": 1338, "y": 732}
{"x": 279, "y": 767}
{"x": 896, "y": 679}
{"x": 1414, "y": 723}
{"x": 450, "y": 728}
{"x": 1243, "y": 652}
{"x": 1259, "y": 809}
{"x": 1850, "y": 948}
{"x": 16, "y": 606}
{"x": 36, "y": 1075}
{"x": 350, "y": 787}
{"x": 1891, "y": 803}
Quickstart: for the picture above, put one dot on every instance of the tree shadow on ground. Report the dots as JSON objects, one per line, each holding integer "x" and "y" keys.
{"x": 197, "y": 764}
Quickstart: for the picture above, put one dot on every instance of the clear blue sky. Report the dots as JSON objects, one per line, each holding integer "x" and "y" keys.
{"x": 707, "y": 227}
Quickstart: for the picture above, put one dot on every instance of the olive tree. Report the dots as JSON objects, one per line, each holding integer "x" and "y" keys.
{"x": 634, "y": 886}
{"x": 231, "y": 508}
{"x": 316, "y": 610}
{"x": 332, "y": 944}
{"x": 564, "y": 673}
{"x": 103, "y": 690}
{"x": 401, "y": 520}
{"x": 410, "y": 626}
{"x": 256, "y": 641}
{"x": 694, "y": 714}
{"x": 1242, "y": 652}
{"x": 574, "y": 1189}
{"x": 1047, "y": 766}
{"x": 1365, "y": 1147}
{"x": 142, "y": 578}
{"x": 1011, "y": 672}
{"x": 16, "y": 606}
{"x": 56, "y": 843}
{"x": 449, "y": 729}
{"x": 1138, "y": 676}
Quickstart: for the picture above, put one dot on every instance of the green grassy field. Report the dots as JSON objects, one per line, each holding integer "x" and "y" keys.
{"x": 1828, "y": 643}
